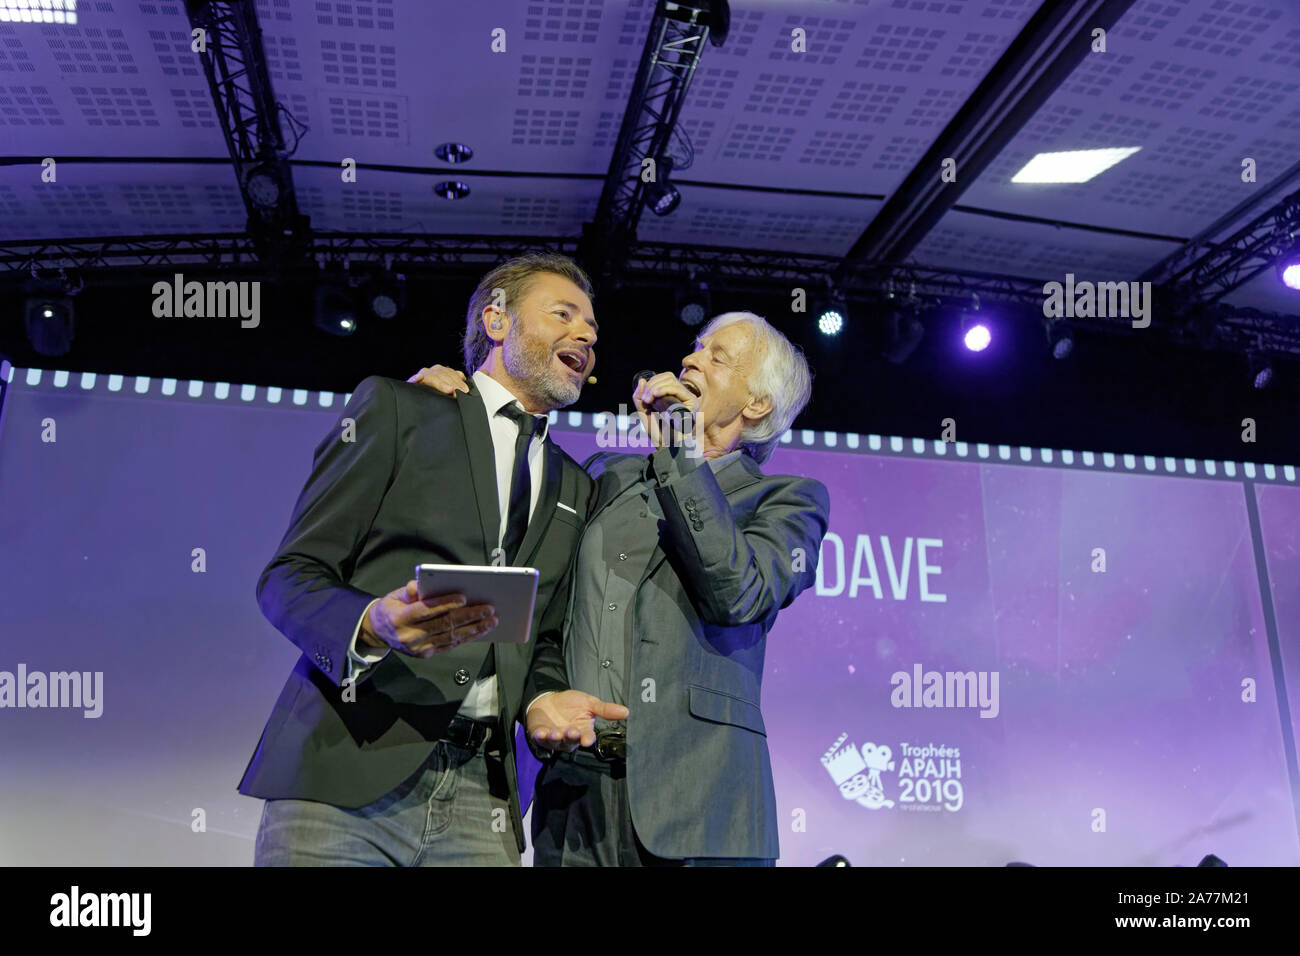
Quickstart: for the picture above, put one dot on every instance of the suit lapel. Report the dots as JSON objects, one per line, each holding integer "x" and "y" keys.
{"x": 482, "y": 467}
{"x": 552, "y": 462}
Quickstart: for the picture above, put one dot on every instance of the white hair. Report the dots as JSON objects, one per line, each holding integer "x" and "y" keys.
{"x": 780, "y": 375}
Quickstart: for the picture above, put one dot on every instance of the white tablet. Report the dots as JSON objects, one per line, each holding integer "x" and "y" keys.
{"x": 512, "y": 591}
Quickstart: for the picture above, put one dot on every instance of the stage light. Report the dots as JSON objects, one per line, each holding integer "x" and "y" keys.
{"x": 661, "y": 196}
{"x": 263, "y": 187}
{"x": 832, "y": 311}
{"x": 830, "y": 322}
{"x": 385, "y": 295}
{"x": 905, "y": 334}
{"x": 976, "y": 333}
{"x": 1060, "y": 338}
{"x": 1073, "y": 166}
{"x": 335, "y": 312}
{"x": 1261, "y": 369}
{"x": 1288, "y": 268}
{"x": 977, "y": 337}
{"x": 836, "y": 860}
{"x": 693, "y": 301}
{"x": 49, "y": 321}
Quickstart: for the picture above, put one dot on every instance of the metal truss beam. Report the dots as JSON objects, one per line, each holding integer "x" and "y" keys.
{"x": 110, "y": 259}
{"x": 672, "y": 52}
{"x": 1205, "y": 272}
{"x": 234, "y": 63}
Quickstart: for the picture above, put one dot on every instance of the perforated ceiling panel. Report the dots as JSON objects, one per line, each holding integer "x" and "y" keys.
{"x": 978, "y": 243}
{"x": 817, "y": 225}
{"x": 121, "y": 82}
{"x": 112, "y": 199}
{"x": 872, "y": 88}
{"x": 1200, "y": 85}
{"x": 398, "y": 202}
{"x": 538, "y": 88}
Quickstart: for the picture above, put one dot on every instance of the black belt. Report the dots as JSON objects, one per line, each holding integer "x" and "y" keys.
{"x": 610, "y": 748}
{"x": 471, "y": 734}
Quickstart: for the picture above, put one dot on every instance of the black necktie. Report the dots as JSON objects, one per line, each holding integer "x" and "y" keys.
{"x": 521, "y": 485}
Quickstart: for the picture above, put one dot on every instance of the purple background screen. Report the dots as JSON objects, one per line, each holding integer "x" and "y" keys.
{"x": 1138, "y": 719}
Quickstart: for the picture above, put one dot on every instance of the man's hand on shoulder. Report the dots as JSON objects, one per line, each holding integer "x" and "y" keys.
{"x": 449, "y": 381}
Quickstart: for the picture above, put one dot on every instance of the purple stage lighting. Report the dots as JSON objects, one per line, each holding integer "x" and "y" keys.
{"x": 1291, "y": 274}
{"x": 977, "y": 338}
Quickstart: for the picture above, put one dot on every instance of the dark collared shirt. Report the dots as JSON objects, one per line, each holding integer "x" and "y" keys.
{"x": 617, "y": 548}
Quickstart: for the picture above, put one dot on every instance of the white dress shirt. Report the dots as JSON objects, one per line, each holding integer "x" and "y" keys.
{"x": 481, "y": 700}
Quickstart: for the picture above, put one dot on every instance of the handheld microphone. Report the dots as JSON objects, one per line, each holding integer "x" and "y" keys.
{"x": 679, "y": 413}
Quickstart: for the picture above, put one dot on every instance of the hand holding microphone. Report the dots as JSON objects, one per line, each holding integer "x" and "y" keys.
{"x": 665, "y": 405}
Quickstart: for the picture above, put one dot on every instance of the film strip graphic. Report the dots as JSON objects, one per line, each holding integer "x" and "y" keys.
{"x": 894, "y": 446}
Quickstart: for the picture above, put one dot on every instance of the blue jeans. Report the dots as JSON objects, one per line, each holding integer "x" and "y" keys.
{"x": 453, "y": 811}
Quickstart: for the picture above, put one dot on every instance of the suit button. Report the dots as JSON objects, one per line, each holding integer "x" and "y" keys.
{"x": 690, "y": 503}
{"x": 462, "y": 676}
{"x": 697, "y": 525}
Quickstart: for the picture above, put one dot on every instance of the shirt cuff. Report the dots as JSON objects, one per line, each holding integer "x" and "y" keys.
{"x": 675, "y": 461}
{"x": 360, "y": 660}
{"x": 545, "y": 693}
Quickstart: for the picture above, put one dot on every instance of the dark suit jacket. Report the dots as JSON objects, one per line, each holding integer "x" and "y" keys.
{"x": 734, "y": 549}
{"x": 417, "y": 485}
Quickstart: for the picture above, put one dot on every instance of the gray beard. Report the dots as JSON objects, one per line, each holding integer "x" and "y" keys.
{"x": 528, "y": 360}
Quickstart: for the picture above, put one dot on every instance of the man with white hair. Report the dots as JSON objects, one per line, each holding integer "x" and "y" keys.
{"x": 688, "y": 556}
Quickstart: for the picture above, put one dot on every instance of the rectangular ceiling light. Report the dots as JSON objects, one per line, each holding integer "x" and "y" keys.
{"x": 1075, "y": 166}
{"x": 38, "y": 11}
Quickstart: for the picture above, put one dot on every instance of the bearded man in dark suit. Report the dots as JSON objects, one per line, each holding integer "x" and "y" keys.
{"x": 392, "y": 741}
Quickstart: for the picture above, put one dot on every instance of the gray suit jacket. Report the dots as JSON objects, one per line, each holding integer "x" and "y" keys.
{"x": 699, "y": 777}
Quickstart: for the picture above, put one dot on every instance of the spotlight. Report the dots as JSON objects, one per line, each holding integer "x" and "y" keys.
{"x": 694, "y": 303}
{"x": 975, "y": 333}
{"x": 385, "y": 295}
{"x": 977, "y": 337}
{"x": 263, "y": 186}
{"x": 834, "y": 312}
{"x": 334, "y": 311}
{"x": 1288, "y": 268}
{"x": 49, "y": 321}
{"x": 1261, "y": 369}
{"x": 905, "y": 334}
{"x": 1060, "y": 338}
{"x": 661, "y": 196}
